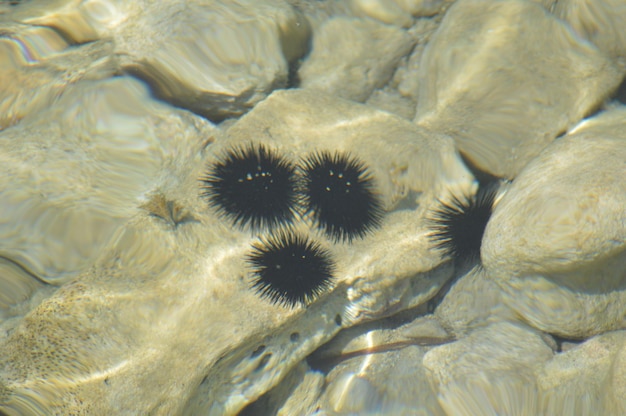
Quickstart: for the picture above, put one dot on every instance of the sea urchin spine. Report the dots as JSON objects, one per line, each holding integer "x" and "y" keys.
{"x": 339, "y": 191}
{"x": 289, "y": 269}
{"x": 252, "y": 186}
{"x": 458, "y": 225}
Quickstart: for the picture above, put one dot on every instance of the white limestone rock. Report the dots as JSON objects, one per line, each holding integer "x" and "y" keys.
{"x": 377, "y": 368}
{"x": 491, "y": 371}
{"x": 497, "y": 348}
{"x": 601, "y": 22}
{"x": 504, "y": 78}
{"x": 76, "y": 171}
{"x": 167, "y": 304}
{"x": 556, "y": 243}
{"x": 216, "y": 58}
{"x": 472, "y": 301}
{"x": 615, "y": 387}
{"x": 421, "y": 8}
{"x": 36, "y": 64}
{"x": 584, "y": 379}
{"x": 352, "y": 57}
{"x": 385, "y": 11}
{"x": 393, "y": 382}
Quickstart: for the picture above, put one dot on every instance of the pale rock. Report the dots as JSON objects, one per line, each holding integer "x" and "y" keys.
{"x": 421, "y": 8}
{"x": 388, "y": 382}
{"x": 405, "y": 77}
{"x": 582, "y": 380}
{"x": 403, "y": 158}
{"x": 167, "y": 304}
{"x": 393, "y": 102}
{"x": 374, "y": 336}
{"x": 302, "y": 398}
{"x": 601, "y": 22}
{"x": 239, "y": 53}
{"x": 18, "y": 286}
{"x": 504, "y": 78}
{"x": 472, "y": 301}
{"x": 399, "y": 95}
{"x": 375, "y": 368}
{"x": 497, "y": 348}
{"x": 39, "y": 65}
{"x": 352, "y": 57}
{"x": 71, "y": 18}
{"x": 556, "y": 243}
{"x": 351, "y": 393}
{"x": 490, "y": 371}
{"x": 385, "y": 11}
{"x": 297, "y": 394}
{"x": 504, "y": 394}
{"x": 74, "y": 172}
{"x": 615, "y": 387}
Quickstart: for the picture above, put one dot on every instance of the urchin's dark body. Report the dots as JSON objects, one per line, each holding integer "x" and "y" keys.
{"x": 252, "y": 186}
{"x": 289, "y": 269}
{"x": 458, "y": 226}
{"x": 339, "y": 192}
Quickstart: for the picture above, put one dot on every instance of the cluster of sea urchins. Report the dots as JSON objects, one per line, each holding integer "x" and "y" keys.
{"x": 254, "y": 187}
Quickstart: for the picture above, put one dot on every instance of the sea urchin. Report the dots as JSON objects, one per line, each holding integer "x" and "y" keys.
{"x": 252, "y": 185}
{"x": 458, "y": 225}
{"x": 339, "y": 192}
{"x": 289, "y": 269}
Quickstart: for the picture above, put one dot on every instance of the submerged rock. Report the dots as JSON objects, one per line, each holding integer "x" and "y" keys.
{"x": 116, "y": 272}
{"x": 491, "y": 371}
{"x": 168, "y": 303}
{"x": 79, "y": 170}
{"x": 556, "y": 243}
{"x": 505, "y": 78}
{"x": 599, "y": 21}
{"x": 239, "y": 54}
{"x": 353, "y": 57}
{"x": 580, "y": 381}
{"x": 40, "y": 64}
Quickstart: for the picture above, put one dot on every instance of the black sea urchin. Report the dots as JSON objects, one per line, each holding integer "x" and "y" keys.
{"x": 289, "y": 269}
{"x": 252, "y": 185}
{"x": 458, "y": 226}
{"x": 339, "y": 192}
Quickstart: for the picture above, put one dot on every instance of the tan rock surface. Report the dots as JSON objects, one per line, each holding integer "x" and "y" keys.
{"x": 490, "y": 371}
{"x": 123, "y": 292}
{"x": 556, "y": 243}
{"x": 240, "y": 51}
{"x": 352, "y": 57}
{"x": 504, "y": 78}
{"x": 599, "y": 21}
{"x": 200, "y": 341}
{"x": 39, "y": 64}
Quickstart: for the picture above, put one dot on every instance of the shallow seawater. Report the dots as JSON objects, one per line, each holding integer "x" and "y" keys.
{"x": 312, "y": 207}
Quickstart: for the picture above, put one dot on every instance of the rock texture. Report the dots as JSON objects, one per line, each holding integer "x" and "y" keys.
{"x": 239, "y": 54}
{"x": 124, "y": 292}
{"x": 178, "y": 269}
{"x": 353, "y": 57}
{"x": 504, "y": 78}
{"x": 556, "y": 243}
